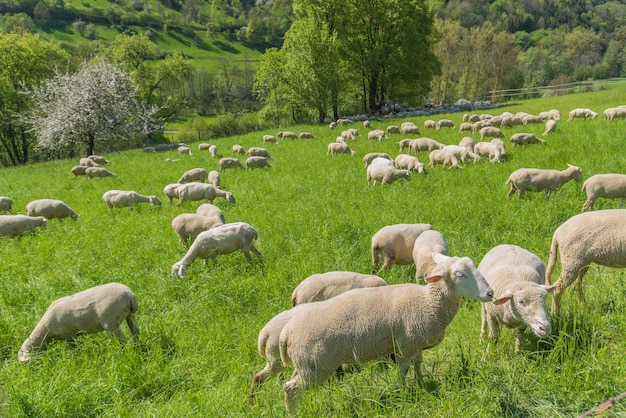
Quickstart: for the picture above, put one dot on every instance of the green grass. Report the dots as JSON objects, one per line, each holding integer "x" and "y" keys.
{"x": 314, "y": 213}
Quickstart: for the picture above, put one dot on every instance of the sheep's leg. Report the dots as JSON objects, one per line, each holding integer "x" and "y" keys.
{"x": 511, "y": 191}
{"x": 246, "y": 252}
{"x": 589, "y": 203}
{"x": 518, "y": 340}
{"x": 132, "y": 324}
{"x": 293, "y": 389}
{"x": 578, "y": 285}
{"x": 271, "y": 368}
{"x": 520, "y": 193}
{"x": 417, "y": 366}
{"x": 255, "y": 251}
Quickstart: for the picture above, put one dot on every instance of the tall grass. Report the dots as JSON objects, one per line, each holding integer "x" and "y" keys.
{"x": 197, "y": 351}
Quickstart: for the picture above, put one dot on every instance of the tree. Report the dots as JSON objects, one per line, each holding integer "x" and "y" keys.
{"x": 270, "y": 86}
{"x": 99, "y": 104}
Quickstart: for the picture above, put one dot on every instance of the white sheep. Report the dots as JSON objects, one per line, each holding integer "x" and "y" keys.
{"x": 409, "y": 128}
{"x": 424, "y": 144}
{"x": 385, "y": 174}
{"x": 613, "y": 112}
{"x": 306, "y": 135}
{"x": 427, "y": 243}
{"x": 323, "y": 286}
{"x": 466, "y": 126}
{"x": 510, "y": 121}
{"x": 269, "y": 138}
{"x": 99, "y": 172}
{"x": 430, "y": 124}
{"x": 550, "y": 127}
{"x": 351, "y": 134}
{"x": 489, "y": 150}
{"x": 393, "y": 244}
{"x": 100, "y": 308}
{"x": 537, "y": 179}
{"x": 609, "y": 186}
{"x": 335, "y": 148}
{"x": 443, "y": 157}
{"x": 382, "y": 160}
{"x": 195, "y": 174}
{"x": 259, "y": 152}
{"x": 371, "y": 156}
{"x": 344, "y": 121}
{"x": 467, "y": 143}
{"x": 214, "y": 178}
{"x": 404, "y": 143}
{"x": 581, "y": 113}
{"x": 79, "y": 170}
{"x": 517, "y": 278}
{"x": 184, "y": 150}
{"x": 591, "y": 237}
{"x": 332, "y": 125}
{"x": 376, "y": 134}
{"x": 201, "y": 191}
{"x": 211, "y": 211}
{"x": 225, "y": 163}
{"x": 213, "y": 151}
{"x": 189, "y": 225}
{"x": 497, "y": 142}
{"x": 99, "y": 160}
{"x": 50, "y": 209}
{"x": 461, "y": 153}
{"x": 203, "y": 146}
{"x": 526, "y": 119}
{"x": 123, "y": 198}
{"x": 525, "y": 138}
{"x": 88, "y": 162}
{"x": 409, "y": 162}
{"x": 367, "y": 124}
{"x": 552, "y": 114}
{"x": 367, "y": 324}
{"x": 6, "y": 204}
{"x": 238, "y": 149}
{"x": 257, "y": 162}
{"x": 491, "y": 132}
{"x": 477, "y": 126}
{"x": 170, "y": 191}
{"x": 223, "y": 239}
{"x": 287, "y": 134}
{"x": 444, "y": 123}
{"x": 16, "y": 225}
{"x": 393, "y": 129}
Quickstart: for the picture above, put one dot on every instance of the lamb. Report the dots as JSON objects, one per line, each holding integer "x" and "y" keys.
{"x": 351, "y": 134}
{"x": 211, "y": 211}
{"x": 366, "y": 324}
{"x": 306, "y": 135}
{"x": 609, "y": 186}
{"x": 170, "y": 191}
{"x": 79, "y": 170}
{"x": 369, "y": 157}
{"x": 537, "y": 179}
{"x": 426, "y": 244}
{"x": 510, "y": 121}
{"x": 424, "y": 144}
{"x": 581, "y": 113}
{"x": 238, "y": 149}
{"x": 467, "y": 143}
{"x": 213, "y": 151}
{"x": 201, "y": 191}
{"x": 99, "y": 160}
{"x": 552, "y": 114}
{"x": 195, "y": 174}
{"x": 123, "y": 198}
{"x": 405, "y": 144}
{"x": 461, "y": 153}
{"x": 6, "y": 204}
{"x": 466, "y": 126}
{"x": 17, "y": 225}
{"x": 497, "y": 142}
{"x": 385, "y": 174}
{"x": 259, "y": 152}
{"x": 225, "y": 163}
{"x": 257, "y": 162}
{"x": 367, "y": 124}
{"x": 99, "y": 172}
{"x": 477, "y": 126}
{"x": 376, "y": 134}
{"x": 287, "y": 134}
{"x": 491, "y": 132}
{"x": 269, "y": 138}
{"x": 100, "y": 308}
{"x": 50, "y": 209}
{"x": 444, "y": 123}
{"x": 183, "y": 149}
{"x": 393, "y": 129}
{"x": 591, "y": 237}
{"x": 318, "y": 287}
{"x": 490, "y": 150}
{"x": 516, "y": 276}
{"x": 526, "y": 119}
{"x": 88, "y": 162}
{"x": 409, "y": 162}
{"x": 393, "y": 244}
{"x": 189, "y": 225}
{"x": 524, "y": 139}
{"x": 550, "y": 127}
{"x": 430, "y": 124}
{"x": 335, "y": 148}
{"x": 443, "y": 157}
{"x": 409, "y": 128}
{"x": 223, "y": 239}
{"x": 214, "y": 178}
{"x": 382, "y": 161}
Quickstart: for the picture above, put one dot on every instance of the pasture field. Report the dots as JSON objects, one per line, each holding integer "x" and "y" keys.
{"x": 196, "y": 354}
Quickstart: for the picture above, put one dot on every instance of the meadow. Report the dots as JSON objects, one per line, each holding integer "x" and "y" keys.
{"x": 196, "y": 354}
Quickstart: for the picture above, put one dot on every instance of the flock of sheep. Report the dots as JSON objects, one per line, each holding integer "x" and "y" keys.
{"x": 363, "y": 318}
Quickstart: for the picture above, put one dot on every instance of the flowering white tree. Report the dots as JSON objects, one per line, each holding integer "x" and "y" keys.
{"x": 97, "y": 104}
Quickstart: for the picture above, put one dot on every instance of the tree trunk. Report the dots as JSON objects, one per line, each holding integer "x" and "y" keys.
{"x": 373, "y": 90}
{"x": 90, "y": 144}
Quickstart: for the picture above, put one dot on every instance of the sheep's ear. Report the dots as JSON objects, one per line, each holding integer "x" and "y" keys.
{"x": 434, "y": 278}
{"x": 504, "y": 298}
{"x": 549, "y": 289}
{"x": 439, "y": 258}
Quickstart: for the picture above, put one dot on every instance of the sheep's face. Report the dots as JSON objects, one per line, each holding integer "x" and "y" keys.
{"x": 230, "y": 197}
{"x": 464, "y": 277}
{"x": 528, "y": 305}
{"x": 154, "y": 200}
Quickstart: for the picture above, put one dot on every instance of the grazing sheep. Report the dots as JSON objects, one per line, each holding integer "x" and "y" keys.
{"x": 404, "y": 144}
{"x": 591, "y": 237}
{"x": 340, "y": 139}
{"x": 183, "y": 149}
{"x": 461, "y": 153}
{"x": 50, "y": 209}
{"x": 351, "y": 134}
{"x": 238, "y": 149}
{"x": 332, "y": 125}
{"x": 613, "y": 112}
{"x": 424, "y": 144}
{"x": 367, "y": 124}
{"x": 427, "y": 243}
{"x": 510, "y": 121}
{"x": 100, "y": 308}
{"x": 466, "y": 126}
{"x": 477, "y": 126}
{"x": 259, "y": 152}
{"x": 609, "y": 186}
{"x": 524, "y": 139}
{"x": 467, "y": 143}
{"x": 553, "y": 114}
{"x": 225, "y": 163}
{"x": 382, "y": 160}
{"x": 148, "y": 149}
{"x": 99, "y": 172}
{"x": 367, "y": 324}
{"x": 344, "y": 121}
{"x": 214, "y": 178}
{"x": 269, "y": 138}
{"x": 491, "y": 132}
{"x": 223, "y": 239}
{"x": 581, "y": 113}
{"x": 526, "y": 119}
{"x": 537, "y": 179}
{"x": 195, "y": 174}
{"x": 324, "y": 286}
{"x": 189, "y": 225}
{"x": 170, "y": 191}
{"x": 443, "y": 157}
{"x": 409, "y": 128}
{"x": 210, "y": 211}
{"x": 88, "y": 162}
{"x": 257, "y": 162}
{"x": 203, "y": 147}
{"x": 489, "y": 150}
{"x": 550, "y": 127}
{"x": 335, "y": 148}
{"x": 306, "y": 135}
{"x": 123, "y": 198}
{"x": 409, "y": 162}
{"x": 430, "y": 124}
{"x": 79, "y": 170}
{"x": 393, "y": 244}
{"x": 201, "y": 191}
{"x": 99, "y": 160}
{"x": 445, "y": 123}
{"x": 502, "y": 148}
{"x": 6, "y": 204}
{"x": 385, "y": 174}
{"x": 376, "y": 134}
{"x": 16, "y": 225}
{"x": 287, "y": 134}
{"x": 517, "y": 278}
{"x": 369, "y": 157}
{"x": 213, "y": 151}
{"x": 393, "y": 129}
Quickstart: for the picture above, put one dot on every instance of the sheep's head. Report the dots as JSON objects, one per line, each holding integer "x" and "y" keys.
{"x": 230, "y": 197}
{"x": 154, "y": 200}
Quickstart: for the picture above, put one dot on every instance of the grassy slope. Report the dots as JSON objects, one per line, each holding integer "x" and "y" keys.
{"x": 314, "y": 213}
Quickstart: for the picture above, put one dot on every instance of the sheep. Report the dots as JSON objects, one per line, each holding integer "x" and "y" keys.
{"x": 335, "y": 148}
{"x": 366, "y": 324}
{"x": 201, "y": 191}
{"x": 393, "y": 244}
{"x": 306, "y": 135}
{"x": 477, "y": 126}
{"x": 88, "y": 162}
{"x": 490, "y": 150}
{"x": 467, "y": 143}
{"x": 6, "y": 204}
{"x": 79, "y": 170}
{"x": 269, "y": 138}
{"x": 16, "y": 225}
{"x": 332, "y": 125}
{"x": 100, "y": 308}
{"x": 214, "y": 178}
{"x": 50, "y": 209}
{"x": 497, "y": 142}
{"x": 369, "y": 157}
{"x": 223, "y": 239}
{"x": 170, "y": 191}
{"x": 612, "y": 113}
{"x": 148, "y": 149}
{"x": 526, "y": 119}
{"x": 259, "y": 152}
{"x": 344, "y": 121}
{"x": 510, "y": 121}
{"x": 123, "y": 198}
{"x": 213, "y": 151}
{"x": 409, "y": 162}
{"x": 491, "y": 132}
{"x": 537, "y": 179}
{"x": 287, "y": 134}
{"x": 461, "y": 153}
{"x": 351, "y": 133}
{"x": 203, "y": 146}
{"x": 517, "y": 278}
{"x": 195, "y": 174}
{"x": 376, "y": 134}
{"x": 225, "y": 163}
{"x": 257, "y": 162}
{"x": 100, "y": 172}
{"x": 590, "y": 237}
{"x": 550, "y": 127}
{"x": 99, "y": 160}
{"x": 445, "y": 158}
{"x": 445, "y": 123}
{"x": 385, "y": 174}
{"x": 211, "y": 211}
{"x": 581, "y": 113}
{"x": 409, "y": 128}
{"x": 340, "y": 139}
{"x": 427, "y": 243}
{"x": 238, "y": 149}
{"x": 466, "y": 126}
{"x": 430, "y": 124}
{"x": 183, "y": 149}
{"x": 188, "y": 225}
{"x": 383, "y": 161}
{"x": 324, "y": 286}
{"x": 404, "y": 144}
{"x": 609, "y": 186}
{"x": 424, "y": 144}
{"x": 552, "y": 114}
{"x": 524, "y": 139}
{"x": 367, "y": 124}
